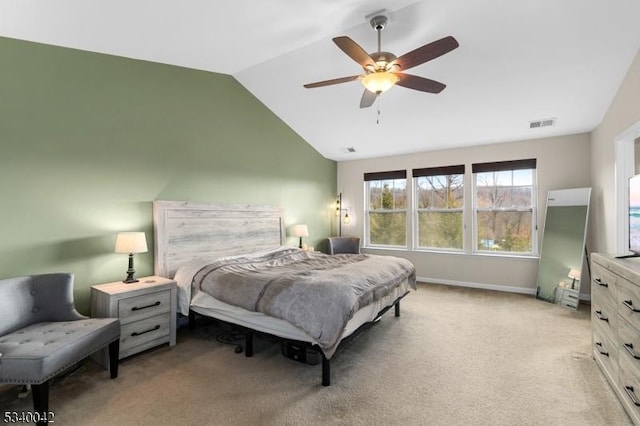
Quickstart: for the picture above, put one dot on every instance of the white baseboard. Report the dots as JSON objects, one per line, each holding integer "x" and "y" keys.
{"x": 508, "y": 289}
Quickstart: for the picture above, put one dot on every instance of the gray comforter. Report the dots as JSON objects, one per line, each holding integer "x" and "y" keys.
{"x": 315, "y": 292}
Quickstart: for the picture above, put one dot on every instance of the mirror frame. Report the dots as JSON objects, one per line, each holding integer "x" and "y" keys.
{"x": 557, "y": 289}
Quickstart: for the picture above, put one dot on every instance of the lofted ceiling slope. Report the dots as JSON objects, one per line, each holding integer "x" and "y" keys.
{"x": 517, "y": 61}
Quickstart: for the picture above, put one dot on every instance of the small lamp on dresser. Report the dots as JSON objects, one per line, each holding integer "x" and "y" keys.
{"x": 300, "y": 231}
{"x": 131, "y": 243}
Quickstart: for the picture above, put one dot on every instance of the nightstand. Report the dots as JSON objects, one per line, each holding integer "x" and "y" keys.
{"x": 146, "y": 309}
{"x": 568, "y": 297}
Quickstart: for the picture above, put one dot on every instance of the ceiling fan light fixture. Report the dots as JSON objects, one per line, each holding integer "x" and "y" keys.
{"x": 379, "y": 82}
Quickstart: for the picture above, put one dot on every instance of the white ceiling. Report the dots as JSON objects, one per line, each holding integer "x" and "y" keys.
{"x": 517, "y": 61}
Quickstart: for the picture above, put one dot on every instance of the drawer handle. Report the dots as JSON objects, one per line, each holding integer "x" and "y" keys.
{"x": 601, "y": 283}
{"x": 601, "y": 350}
{"x": 629, "y": 304}
{"x": 632, "y": 395}
{"x": 136, "y": 308}
{"x": 135, "y": 333}
{"x": 629, "y": 348}
{"x": 571, "y": 296}
{"x": 601, "y": 317}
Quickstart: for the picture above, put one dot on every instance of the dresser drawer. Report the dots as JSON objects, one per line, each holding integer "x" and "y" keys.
{"x": 146, "y": 330}
{"x": 629, "y": 345}
{"x": 603, "y": 284}
{"x": 604, "y": 315}
{"x": 605, "y": 351}
{"x": 629, "y": 385}
{"x": 144, "y": 306}
{"x": 629, "y": 302}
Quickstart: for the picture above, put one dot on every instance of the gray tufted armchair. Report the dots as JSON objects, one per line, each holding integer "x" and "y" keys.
{"x": 344, "y": 245}
{"x": 42, "y": 334}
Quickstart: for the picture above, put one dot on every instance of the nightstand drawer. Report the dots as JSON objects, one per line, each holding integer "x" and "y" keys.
{"x": 146, "y": 330}
{"x": 144, "y": 306}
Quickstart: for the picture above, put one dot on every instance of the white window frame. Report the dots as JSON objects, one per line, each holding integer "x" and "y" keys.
{"x": 432, "y": 172}
{"x": 386, "y": 176}
{"x": 504, "y": 166}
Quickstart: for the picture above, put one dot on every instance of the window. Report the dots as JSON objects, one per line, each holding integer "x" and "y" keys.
{"x": 387, "y": 208}
{"x": 504, "y": 206}
{"x": 439, "y": 203}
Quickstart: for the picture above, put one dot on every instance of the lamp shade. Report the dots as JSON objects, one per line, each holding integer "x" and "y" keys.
{"x": 300, "y": 231}
{"x": 131, "y": 242}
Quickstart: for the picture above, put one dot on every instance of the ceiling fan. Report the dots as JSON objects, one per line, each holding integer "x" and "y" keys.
{"x": 383, "y": 70}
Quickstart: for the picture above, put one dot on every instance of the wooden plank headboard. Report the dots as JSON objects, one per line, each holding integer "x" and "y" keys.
{"x": 184, "y": 231}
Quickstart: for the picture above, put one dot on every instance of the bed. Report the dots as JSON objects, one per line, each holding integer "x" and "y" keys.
{"x": 215, "y": 249}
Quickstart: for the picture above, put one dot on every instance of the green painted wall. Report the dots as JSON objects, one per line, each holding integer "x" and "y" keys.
{"x": 88, "y": 141}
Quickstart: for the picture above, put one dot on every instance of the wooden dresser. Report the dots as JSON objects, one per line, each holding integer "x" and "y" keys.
{"x": 615, "y": 317}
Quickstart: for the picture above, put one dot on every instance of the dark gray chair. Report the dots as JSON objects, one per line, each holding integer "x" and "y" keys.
{"x": 42, "y": 334}
{"x": 344, "y": 245}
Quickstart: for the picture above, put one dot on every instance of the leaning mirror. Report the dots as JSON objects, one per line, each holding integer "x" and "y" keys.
{"x": 562, "y": 251}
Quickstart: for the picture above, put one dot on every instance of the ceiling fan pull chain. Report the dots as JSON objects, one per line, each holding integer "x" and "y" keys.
{"x": 378, "y": 115}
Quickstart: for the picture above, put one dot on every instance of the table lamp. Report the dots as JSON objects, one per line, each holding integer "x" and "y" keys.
{"x": 131, "y": 243}
{"x": 574, "y": 274}
{"x": 300, "y": 231}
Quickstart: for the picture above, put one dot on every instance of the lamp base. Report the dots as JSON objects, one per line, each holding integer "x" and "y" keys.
{"x": 131, "y": 273}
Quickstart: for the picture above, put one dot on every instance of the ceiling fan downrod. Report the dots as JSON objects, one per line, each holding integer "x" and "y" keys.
{"x": 378, "y": 23}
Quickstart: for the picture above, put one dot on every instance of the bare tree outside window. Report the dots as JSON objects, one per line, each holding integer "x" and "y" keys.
{"x": 440, "y": 203}
{"x": 504, "y": 208}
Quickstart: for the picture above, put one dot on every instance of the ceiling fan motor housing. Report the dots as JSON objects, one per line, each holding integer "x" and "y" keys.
{"x": 379, "y": 22}
{"x": 382, "y": 59}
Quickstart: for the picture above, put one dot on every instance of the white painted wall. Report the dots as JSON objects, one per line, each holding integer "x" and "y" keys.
{"x": 622, "y": 118}
{"x": 562, "y": 162}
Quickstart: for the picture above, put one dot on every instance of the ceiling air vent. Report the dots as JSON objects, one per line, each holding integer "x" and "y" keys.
{"x": 348, "y": 150}
{"x": 547, "y": 122}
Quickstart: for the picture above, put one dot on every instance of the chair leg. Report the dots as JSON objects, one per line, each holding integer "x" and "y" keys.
{"x": 40, "y": 397}
{"x": 114, "y": 354}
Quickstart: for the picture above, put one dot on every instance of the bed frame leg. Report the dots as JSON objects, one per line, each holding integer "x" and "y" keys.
{"x": 326, "y": 371}
{"x": 248, "y": 343}
{"x": 398, "y": 308}
{"x": 192, "y": 320}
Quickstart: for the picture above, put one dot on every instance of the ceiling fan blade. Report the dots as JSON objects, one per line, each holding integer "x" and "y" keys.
{"x": 333, "y": 81}
{"x": 426, "y": 53}
{"x": 419, "y": 83}
{"x": 368, "y": 98}
{"x": 354, "y": 51}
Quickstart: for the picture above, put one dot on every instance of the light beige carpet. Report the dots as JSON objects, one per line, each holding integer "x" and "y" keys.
{"x": 456, "y": 356}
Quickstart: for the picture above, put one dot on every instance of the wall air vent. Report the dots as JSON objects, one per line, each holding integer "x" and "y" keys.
{"x": 547, "y": 122}
{"x": 348, "y": 150}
